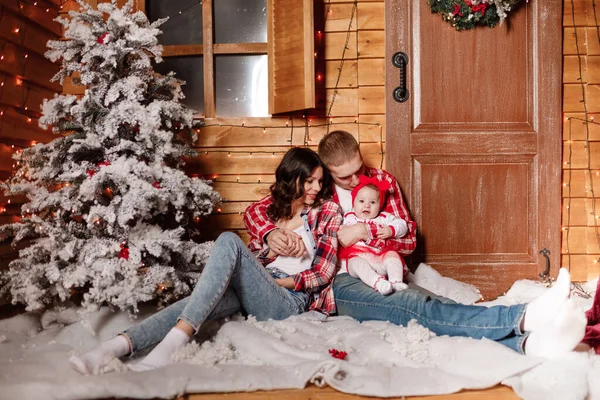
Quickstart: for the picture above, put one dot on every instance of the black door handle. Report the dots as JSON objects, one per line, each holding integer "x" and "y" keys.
{"x": 399, "y": 61}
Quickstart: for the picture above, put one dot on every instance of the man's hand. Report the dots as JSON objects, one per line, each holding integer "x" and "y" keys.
{"x": 349, "y": 235}
{"x": 384, "y": 232}
{"x": 285, "y": 242}
{"x": 287, "y": 283}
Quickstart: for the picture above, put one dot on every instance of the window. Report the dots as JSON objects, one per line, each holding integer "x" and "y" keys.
{"x": 239, "y": 57}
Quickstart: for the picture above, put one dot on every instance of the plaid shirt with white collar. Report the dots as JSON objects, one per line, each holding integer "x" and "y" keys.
{"x": 324, "y": 222}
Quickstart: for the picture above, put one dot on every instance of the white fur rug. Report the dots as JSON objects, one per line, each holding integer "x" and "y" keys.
{"x": 383, "y": 359}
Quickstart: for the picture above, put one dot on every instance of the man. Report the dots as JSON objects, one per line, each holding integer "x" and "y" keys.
{"x": 549, "y": 326}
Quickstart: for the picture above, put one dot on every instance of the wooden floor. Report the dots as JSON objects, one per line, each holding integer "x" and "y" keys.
{"x": 327, "y": 393}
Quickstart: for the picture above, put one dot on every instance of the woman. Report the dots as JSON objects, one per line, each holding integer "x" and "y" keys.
{"x": 235, "y": 277}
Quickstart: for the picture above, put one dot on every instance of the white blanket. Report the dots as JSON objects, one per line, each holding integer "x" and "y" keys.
{"x": 382, "y": 360}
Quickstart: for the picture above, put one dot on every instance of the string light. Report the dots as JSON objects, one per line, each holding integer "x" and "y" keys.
{"x": 587, "y": 120}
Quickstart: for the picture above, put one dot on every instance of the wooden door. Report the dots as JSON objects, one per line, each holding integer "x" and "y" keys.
{"x": 477, "y": 145}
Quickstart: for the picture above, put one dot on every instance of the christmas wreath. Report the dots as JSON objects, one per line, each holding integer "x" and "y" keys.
{"x": 467, "y": 14}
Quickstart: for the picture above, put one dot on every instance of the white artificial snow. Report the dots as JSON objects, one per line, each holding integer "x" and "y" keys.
{"x": 383, "y": 359}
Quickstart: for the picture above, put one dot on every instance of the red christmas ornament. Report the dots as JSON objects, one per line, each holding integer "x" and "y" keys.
{"x": 157, "y": 185}
{"x": 103, "y": 39}
{"x": 335, "y": 353}
{"x": 90, "y": 172}
{"x": 124, "y": 253}
{"x": 104, "y": 163}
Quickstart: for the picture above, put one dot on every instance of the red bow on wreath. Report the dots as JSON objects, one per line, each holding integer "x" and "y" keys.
{"x": 474, "y": 8}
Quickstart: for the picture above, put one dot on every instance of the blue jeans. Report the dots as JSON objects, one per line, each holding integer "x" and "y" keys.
{"x": 232, "y": 280}
{"x": 440, "y": 315}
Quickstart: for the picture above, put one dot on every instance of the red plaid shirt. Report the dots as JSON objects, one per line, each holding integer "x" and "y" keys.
{"x": 324, "y": 222}
{"x": 395, "y": 206}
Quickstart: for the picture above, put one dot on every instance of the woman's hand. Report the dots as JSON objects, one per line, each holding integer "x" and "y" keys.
{"x": 284, "y": 242}
{"x": 287, "y": 283}
{"x": 349, "y": 235}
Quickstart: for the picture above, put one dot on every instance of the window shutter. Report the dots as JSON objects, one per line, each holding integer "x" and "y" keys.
{"x": 290, "y": 43}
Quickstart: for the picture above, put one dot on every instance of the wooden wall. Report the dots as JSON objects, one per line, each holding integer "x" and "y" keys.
{"x": 581, "y": 156}
{"x": 24, "y": 83}
{"x": 358, "y": 97}
{"x": 241, "y": 159}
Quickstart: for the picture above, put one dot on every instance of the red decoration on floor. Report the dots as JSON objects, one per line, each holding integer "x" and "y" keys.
{"x": 157, "y": 185}
{"x": 104, "y": 163}
{"x": 335, "y": 353}
{"x": 90, "y": 172}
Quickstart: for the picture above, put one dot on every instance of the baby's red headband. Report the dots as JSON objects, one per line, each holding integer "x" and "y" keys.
{"x": 382, "y": 186}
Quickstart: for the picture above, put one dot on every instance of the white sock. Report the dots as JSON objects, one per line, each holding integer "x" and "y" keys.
{"x": 398, "y": 286}
{"x": 541, "y": 311}
{"x": 161, "y": 354}
{"x": 90, "y": 362}
{"x": 562, "y": 336}
{"x": 383, "y": 286}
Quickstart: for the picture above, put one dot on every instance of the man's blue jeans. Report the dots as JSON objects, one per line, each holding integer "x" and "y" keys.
{"x": 232, "y": 280}
{"x": 440, "y": 315}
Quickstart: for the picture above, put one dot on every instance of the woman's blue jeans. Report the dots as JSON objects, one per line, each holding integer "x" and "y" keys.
{"x": 232, "y": 280}
{"x": 440, "y": 315}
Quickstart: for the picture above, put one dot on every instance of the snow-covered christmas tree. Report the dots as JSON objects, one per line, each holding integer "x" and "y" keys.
{"x": 112, "y": 216}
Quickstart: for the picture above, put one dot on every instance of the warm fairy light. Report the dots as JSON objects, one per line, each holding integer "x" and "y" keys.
{"x": 16, "y": 30}
{"x": 2, "y": 58}
{"x": 315, "y": 55}
{"x": 264, "y": 130}
{"x": 272, "y": 154}
{"x": 218, "y": 210}
{"x": 250, "y": 154}
{"x": 319, "y": 77}
{"x": 215, "y": 176}
{"x": 26, "y": 55}
{"x": 28, "y": 119}
{"x": 33, "y": 142}
{"x": 564, "y": 184}
{"x": 47, "y": 10}
{"x": 8, "y": 201}
{"x": 197, "y": 219}
{"x": 229, "y": 154}
{"x": 25, "y": 108}
{"x": 18, "y": 81}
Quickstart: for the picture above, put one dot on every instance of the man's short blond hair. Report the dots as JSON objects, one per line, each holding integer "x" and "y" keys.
{"x": 337, "y": 148}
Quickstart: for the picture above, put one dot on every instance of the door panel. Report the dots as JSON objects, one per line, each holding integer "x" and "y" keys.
{"x": 477, "y": 146}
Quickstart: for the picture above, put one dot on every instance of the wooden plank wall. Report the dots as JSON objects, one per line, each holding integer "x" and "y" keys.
{"x": 357, "y": 34}
{"x": 25, "y": 75}
{"x": 581, "y": 156}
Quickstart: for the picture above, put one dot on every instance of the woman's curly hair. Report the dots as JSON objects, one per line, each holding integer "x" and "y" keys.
{"x": 296, "y": 166}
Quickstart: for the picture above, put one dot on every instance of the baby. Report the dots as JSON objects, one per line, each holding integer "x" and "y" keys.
{"x": 372, "y": 265}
